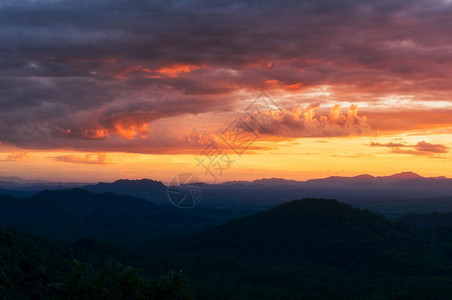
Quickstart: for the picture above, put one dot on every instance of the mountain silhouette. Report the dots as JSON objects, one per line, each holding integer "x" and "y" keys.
{"x": 403, "y": 175}
{"x": 428, "y": 220}
{"x": 326, "y": 230}
{"x": 152, "y": 190}
{"x": 311, "y": 248}
{"x": 77, "y": 213}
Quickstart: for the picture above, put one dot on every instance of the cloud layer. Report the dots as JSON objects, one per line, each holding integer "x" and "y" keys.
{"x": 98, "y": 75}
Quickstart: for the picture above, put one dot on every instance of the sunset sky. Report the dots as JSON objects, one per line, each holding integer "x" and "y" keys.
{"x": 103, "y": 89}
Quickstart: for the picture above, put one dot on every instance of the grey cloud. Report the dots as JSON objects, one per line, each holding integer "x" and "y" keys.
{"x": 60, "y": 60}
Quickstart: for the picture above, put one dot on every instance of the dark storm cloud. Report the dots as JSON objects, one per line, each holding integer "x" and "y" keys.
{"x": 75, "y": 73}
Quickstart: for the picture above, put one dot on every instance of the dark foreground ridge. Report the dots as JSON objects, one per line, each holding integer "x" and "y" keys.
{"x": 32, "y": 267}
{"x": 311, "y": 248}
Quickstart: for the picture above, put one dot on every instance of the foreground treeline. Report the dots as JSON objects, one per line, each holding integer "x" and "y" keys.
{"x": 308, "y": 249}
{"x": 37, "y": 268}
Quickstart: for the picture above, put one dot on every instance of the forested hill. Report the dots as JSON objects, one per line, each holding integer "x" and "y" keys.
{"x": 32, "y": 267}
{"x": 312, "y": 248}
{"x": 77, "y": 213}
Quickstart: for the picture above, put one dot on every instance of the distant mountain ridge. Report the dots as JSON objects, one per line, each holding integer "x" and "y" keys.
{"x": 393, "y": 195}
{"x": 123, "y": 185}
{"x": 337, "y": 179}
{"x": 76, "y": 213}
{"x": 413, "y": 184}
{"x": 148, "y": 189}
{"x": 20, "y": 187}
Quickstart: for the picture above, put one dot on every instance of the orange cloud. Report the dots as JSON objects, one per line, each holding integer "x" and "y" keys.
{"x": 176, "y": 69}
{"x": 171, "y": 71}
{"x": 130, "y": 130}
{"x": 389, "y": 145}
{"x": 294, "y": 85}
{"x": 129, "y": 125}
{"x": 100, "y": 159}
{"x": 297, "y": 122}
{"x": 421, "y": 148}
{"x": 16, "y": 156}
{"x": 132, "y": 69}
{"x": 95, "y": 134}
{"x": 431, "y": 148}
{"x": 277, "y": 84}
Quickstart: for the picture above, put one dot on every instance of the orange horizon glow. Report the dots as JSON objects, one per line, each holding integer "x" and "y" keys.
{"x": 298, "y": 159}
